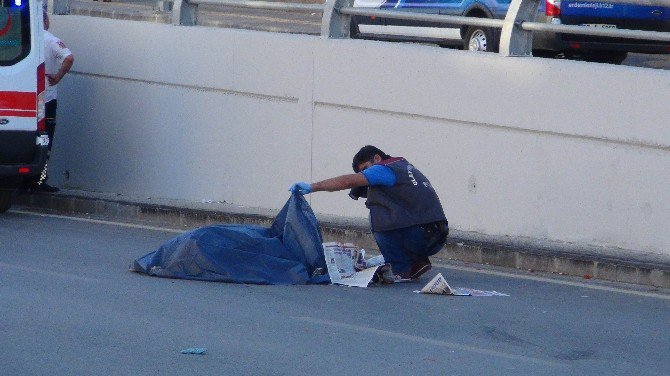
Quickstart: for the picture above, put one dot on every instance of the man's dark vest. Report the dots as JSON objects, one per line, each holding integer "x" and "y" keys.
{"x": 411, "y": 201}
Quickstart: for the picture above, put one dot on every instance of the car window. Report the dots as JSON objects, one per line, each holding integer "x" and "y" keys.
{"x": 14, "y": 31}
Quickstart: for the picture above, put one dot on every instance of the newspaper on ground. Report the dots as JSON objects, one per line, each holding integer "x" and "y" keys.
{"x": 439, "y": 286}
{"x": 347, "y": 266}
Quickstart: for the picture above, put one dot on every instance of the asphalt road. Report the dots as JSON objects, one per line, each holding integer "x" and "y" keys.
{"x": 275, "y": 21}
{"x": 71, "y": 307}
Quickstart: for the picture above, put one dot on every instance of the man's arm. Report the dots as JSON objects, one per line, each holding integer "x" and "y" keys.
{"x": 55, "y": 78}
{"x": 341, "y": 182}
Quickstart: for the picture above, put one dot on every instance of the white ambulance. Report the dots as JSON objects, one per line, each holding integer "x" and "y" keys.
{"x": 23, "y": 138}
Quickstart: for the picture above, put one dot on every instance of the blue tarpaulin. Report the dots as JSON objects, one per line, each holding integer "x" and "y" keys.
{"x": 289, "y": 252}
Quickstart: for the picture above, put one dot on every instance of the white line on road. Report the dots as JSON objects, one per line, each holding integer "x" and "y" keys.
{"x": 99, "y": 221}
{"x": 47, "y": 272}
{"x": 554, "y": 281}
{"x": 429, "y": 341}
{"x": 461, "y": 268}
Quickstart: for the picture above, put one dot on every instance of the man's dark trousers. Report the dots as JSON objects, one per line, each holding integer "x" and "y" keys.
{"x": 50, "y": 123}
{"x": 404, "y": 247}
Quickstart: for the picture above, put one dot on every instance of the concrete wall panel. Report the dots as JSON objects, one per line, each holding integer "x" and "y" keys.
{"x": 563, "y": 97}
{"x": 183, "y": 143}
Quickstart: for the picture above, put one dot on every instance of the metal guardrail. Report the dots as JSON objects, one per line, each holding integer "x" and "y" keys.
{"x": 517, "y": 28}
{"x": 184, "y": 12}
{"x": 270, "y": 5}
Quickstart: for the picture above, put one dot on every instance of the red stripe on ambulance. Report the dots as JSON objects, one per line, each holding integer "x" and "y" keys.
{"x": 18, "y": 100}
{"x": 18, "y": 113}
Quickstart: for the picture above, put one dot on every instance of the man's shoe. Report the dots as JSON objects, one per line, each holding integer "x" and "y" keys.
{"x": 401, "y": 278}
{"x": 44, "y": 187}
{"x": 419, "y": 268}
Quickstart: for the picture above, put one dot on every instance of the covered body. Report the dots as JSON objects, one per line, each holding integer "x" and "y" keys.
{"x": 289, "y": 252}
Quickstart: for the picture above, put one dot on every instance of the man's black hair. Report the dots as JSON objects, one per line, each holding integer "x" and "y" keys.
{"x": 367, "y": 153}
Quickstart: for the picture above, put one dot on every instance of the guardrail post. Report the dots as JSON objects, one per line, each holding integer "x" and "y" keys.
{"x": 163, "y": 5}
{"x": 335, "y": 24}
{"x": 184, "y": 13}
{"x": 58, "y": 6}
{"x": 514, "y": 41}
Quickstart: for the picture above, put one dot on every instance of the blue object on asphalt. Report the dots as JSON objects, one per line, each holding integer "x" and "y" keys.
{"x": 194, "y": 350}
{"x": 288, "y": 253}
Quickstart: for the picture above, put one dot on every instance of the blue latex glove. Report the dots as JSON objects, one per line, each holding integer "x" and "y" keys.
{"x": 301, "y": 187}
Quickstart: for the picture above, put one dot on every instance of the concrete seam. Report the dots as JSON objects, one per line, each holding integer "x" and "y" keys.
{"x": 311, "y": 111}
{"x": 273, "y": 98}
{"x": 502, "y": 127}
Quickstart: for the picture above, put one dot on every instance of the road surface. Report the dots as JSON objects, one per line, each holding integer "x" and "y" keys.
{"x": 71, "y": 307}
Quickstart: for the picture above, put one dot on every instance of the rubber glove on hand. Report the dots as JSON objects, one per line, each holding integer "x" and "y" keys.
{"x": 301, "y": 187}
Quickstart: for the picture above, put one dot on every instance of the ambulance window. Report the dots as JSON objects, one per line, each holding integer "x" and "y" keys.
{"x": 14, "y": 31}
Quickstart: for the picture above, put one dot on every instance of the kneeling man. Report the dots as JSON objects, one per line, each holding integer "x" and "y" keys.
{"x": 406, "y": 216}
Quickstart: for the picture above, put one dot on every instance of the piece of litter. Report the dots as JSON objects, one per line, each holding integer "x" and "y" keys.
{"x": 459, "y": 244}
{"x": 194, "y": 350}
{"x": 475, "y": 292}
{"x": 439, "y": 286}
{"x": 585, "y": 296}
{"x": 587, "y": 276}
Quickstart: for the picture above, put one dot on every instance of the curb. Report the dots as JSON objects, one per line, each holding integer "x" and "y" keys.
{"x": 587, "y": 262}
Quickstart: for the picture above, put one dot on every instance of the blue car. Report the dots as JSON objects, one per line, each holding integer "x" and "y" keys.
{"x": 568, "y": 12}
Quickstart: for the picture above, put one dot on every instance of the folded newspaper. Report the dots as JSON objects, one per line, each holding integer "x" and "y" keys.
{"x": 438, "y": 285}
{"x": 347, "y": 266}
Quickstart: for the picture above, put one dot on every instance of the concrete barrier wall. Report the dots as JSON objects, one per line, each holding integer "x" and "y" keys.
{"x": 520, "y": 147}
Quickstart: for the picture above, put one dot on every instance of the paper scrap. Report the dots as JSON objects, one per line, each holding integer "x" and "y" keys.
{"x": 475, "y": 292}
{"x": 439, "y": 286}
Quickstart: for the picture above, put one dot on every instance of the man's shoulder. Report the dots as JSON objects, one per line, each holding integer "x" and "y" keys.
{"x": 53, "y": 40}
{"x": 48, "y": 37}
{"x": 390, "y": 161}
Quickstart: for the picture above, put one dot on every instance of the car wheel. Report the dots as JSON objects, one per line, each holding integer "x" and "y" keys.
{"x": 354, "y": 30}
{"x": 545, "y": 54}
{"x": 612, "y": 57}
{"x": 480, "y": 39}
{"x": 6, "y": 197}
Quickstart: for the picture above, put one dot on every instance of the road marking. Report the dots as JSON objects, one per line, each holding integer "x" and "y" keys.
{"x": 47, "y": 272}
{"x": 99, "y": 221}
{"x": 429, "y": 341}
{"x": 554, "y": 281}
{"x": 453, "y": 267}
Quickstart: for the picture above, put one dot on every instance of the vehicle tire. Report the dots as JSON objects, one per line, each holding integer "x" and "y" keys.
{"x": 545, "y": 54}
{"x": 6, "y": 197}
{"x": 611, "y": 57}
{"x": 354, "y": 30}
{"x": 480, "y": 39}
